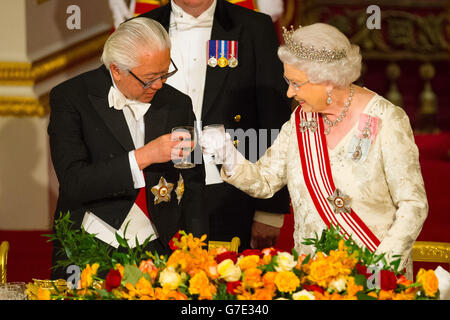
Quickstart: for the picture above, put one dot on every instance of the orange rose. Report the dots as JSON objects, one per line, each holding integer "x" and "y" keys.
{"x": 264, "y": 294}
{"x": 248, "y": 262}
{"x": 287, "y": 281}
{"x": 252, "y": 278}
{"x": 429, "y": 282}
{"x": 269, "y": 279}
{"x": 199, "y": 284}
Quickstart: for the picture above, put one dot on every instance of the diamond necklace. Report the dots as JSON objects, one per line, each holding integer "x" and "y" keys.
{"x": 341, "y": 116}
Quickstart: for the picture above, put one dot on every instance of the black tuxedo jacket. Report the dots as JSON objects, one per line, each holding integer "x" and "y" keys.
{"x": 250, "y": 96}
{"x": 89, "y": 144}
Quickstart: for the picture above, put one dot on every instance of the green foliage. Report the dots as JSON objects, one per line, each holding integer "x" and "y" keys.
{"x": 363, "y": 296}
{"x": 222, "y": 293}
{"x": 81, "y": 248}
{"x": 329, "y": 240}
{"x": 131, "y": 274}
{"x": 270, "y": 266}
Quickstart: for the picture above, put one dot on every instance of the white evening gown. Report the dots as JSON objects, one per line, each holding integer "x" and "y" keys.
{"x": 386, "y": 189}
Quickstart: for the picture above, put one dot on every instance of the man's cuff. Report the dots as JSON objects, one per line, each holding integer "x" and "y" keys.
{"x": 272, "y": 219}
{"x": 138, "y": 175}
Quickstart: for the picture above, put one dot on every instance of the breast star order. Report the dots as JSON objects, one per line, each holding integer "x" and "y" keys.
{"x": 180, "y": 189}
{"x": 340, "y": 202}
{"x": 162, "y": 191}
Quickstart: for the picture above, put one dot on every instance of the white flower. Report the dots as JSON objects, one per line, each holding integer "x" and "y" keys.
{"x": 169, "y": 278}
{"x": 229, "y": 271}
{"x": 285, "y": 262}
{"x": 338, "y": 285}
{"x": 303, "y": 295}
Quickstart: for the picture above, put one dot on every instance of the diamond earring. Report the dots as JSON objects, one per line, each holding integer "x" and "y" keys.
{"x": 329, "y": 100}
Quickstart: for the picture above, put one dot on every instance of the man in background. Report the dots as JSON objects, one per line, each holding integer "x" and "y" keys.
{"x": 246, "y": 92}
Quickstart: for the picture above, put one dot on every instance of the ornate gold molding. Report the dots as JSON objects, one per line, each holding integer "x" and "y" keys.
{"x": 24, "y": 106}
{"x": 427, "y": 251}
{"x": 26, "y": 74}
{"x": 233, "y": 245}
{"x": 4, "y": 247}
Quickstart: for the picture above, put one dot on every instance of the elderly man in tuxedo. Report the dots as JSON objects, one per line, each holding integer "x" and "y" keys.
{"x": 228, "y": 65}
{"x": 112, "y": 147}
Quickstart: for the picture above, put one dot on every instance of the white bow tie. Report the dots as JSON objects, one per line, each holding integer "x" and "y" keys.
{"x": 117, "y": 100}
{"x": 186, "y": 22}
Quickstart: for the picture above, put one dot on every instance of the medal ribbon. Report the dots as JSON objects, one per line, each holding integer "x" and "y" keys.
{"x": 224, "y": 47}
{"x": 212, "y": 49}
{"x": 231, "y": 51}
{"x": 319, "y": 181}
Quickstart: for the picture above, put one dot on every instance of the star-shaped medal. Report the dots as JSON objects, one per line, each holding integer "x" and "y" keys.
{"x": 162, "y": 191}
{"x": 340, "y": 202}
{"x": 180, "y": 189}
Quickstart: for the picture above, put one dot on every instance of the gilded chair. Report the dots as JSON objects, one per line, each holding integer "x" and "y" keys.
{"x": 233, "y": 245}
{"x": 4, "y": 247}
{"x": 427, "y": 251}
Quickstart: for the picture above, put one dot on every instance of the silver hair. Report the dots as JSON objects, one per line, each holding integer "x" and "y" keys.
{"x": 323, "y": 36}
{"x": 131, "y": 39}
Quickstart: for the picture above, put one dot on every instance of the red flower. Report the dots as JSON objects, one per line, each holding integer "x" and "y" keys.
{"x": 113, "y": 280}
{"x": 388, "y": 280}
{"x": 270, "y": 251}
{"x": 176, "y": 237}
{"x": 232, "y": 286}
{"x": 226, "y": 255}
{"x": 313, "y": 287}
{"x": 361, "y": 269}
{"x": 251, "y": 252}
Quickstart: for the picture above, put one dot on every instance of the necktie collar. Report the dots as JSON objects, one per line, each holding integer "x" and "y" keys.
{"x": 118, "y": 101}
{"x": 184, "y": 21}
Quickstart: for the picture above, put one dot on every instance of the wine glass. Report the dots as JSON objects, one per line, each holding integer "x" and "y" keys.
{"x": 185, "y": 163}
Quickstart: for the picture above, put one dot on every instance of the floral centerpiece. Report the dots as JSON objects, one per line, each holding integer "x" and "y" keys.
{"x": 338, "y": 270}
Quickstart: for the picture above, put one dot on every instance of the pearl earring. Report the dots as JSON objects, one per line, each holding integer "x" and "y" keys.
{"x": 329, "y": 100}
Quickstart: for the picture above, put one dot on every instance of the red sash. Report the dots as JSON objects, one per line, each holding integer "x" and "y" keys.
{"x": 319, "y": 181}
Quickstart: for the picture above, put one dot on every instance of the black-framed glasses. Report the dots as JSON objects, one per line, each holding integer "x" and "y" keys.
{"x": 294, "y": 84}
{"x": 149, "y": 83}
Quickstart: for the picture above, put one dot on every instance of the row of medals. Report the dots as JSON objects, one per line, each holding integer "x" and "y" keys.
{"x": 223, "y": 62}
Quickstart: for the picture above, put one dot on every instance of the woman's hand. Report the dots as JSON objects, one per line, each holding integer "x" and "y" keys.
{"x": 216, "y": 142}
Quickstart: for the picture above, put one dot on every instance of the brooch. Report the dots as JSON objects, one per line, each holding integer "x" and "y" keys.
{"x": 360, "y": 144}
{"x": 340, "y": 202}
{"x": 180, "y": 189}
{"x": 310, "y": 124}
{"x": 162, "y": 191}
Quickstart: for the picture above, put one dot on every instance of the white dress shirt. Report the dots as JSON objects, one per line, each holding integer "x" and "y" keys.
{"x": 189, "y": 37}
{"x": 136, "y": 125}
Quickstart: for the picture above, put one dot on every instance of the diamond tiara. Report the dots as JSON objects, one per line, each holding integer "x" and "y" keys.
{"x": 309, "y": 52}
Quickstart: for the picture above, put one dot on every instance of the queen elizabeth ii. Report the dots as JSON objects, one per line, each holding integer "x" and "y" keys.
{"x": 347, "y": 154}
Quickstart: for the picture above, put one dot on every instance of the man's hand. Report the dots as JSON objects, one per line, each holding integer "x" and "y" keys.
{"x": 263, "y": 235}
{"x": 171, "y": 146}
